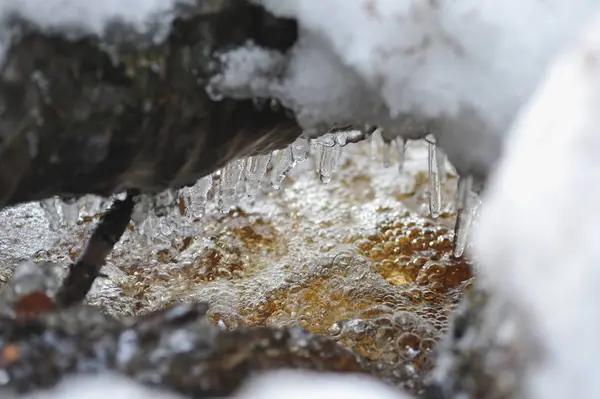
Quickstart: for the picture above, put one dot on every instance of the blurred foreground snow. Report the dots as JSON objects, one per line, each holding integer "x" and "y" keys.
{"x": 539, "y": 236}
{"x": 275, "y": 385}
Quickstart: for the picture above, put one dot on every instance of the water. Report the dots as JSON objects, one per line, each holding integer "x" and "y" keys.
{"x": 311, "y": 254}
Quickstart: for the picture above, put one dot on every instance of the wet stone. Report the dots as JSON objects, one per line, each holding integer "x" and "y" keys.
{"x": 175, "y": 348}
{"x": 487, "y": 352}
{"x": 121, "y": 112}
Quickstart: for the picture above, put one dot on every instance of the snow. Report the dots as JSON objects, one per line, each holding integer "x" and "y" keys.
{"x": 99, "y": 387}
{"x": 92, "y": 17}
{"x": 538, "y": 234}
{"x": 149, "y": 19}
{"x": 300, "y": 385}
{"x": 461, "y": 68}
{"x": 275, "y": 385}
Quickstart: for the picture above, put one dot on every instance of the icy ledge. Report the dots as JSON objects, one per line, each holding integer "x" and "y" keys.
{"x": 459, "y": 69}
{"x": 538, "y": 236}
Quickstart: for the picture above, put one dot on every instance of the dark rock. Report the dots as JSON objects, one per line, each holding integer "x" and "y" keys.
{"x": 175, "y": 348}
{"x": 87, "y": 115}
{"x": 487, "y": 353}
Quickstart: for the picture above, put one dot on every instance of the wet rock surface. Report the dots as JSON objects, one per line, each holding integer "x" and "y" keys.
{"x": 488, "y": 351}
{"x": 175, "y": 348}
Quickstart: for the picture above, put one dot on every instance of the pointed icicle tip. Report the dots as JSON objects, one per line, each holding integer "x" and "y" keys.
{"x": 434, "y": 184}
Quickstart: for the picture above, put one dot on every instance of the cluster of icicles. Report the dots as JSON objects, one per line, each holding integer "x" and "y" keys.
{"x": 177, "y": 211}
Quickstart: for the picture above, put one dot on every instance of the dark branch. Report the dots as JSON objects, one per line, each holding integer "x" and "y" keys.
{"x": 82, "y": 274}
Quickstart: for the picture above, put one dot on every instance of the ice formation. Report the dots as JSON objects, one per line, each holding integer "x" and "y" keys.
{"x": 538, "y": 234}
{"x": 238, "y": 177}
{"x": 466, "y": 204}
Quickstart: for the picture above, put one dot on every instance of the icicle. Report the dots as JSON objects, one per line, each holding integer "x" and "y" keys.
{"x": 441, "y": 161}
{"x": 166, "y": 207}
{"x": 256, "y": 167}
{"x": 150, "y": 226}
{"x": 230, "y": 176}
{"x": 200, "y": 199}
{"x": 435, "y": 197}
{"x": 401, "y": 149}
{"x": 387, "y": 153}
{"x": 351, "y": 136}
{"x": 376, "y": 144}
{"x": 91, "y": 205}
{"x": 50, "y": 207}
{"x": 283, "y": 163}
{"x": 300, "y": 149}
{"x": 141, "y": 212}
{"x": 329, "y": 156}
{"x": 342, "y": 138}
{"x": 466, "y": 205}
{"x": 70, "y": 210}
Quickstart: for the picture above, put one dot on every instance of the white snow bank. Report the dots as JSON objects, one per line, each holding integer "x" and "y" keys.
{"x": 100, "y": 387}
{"x": 274, "y": 385}
{"x": 303, "y": 385}
{"x": 539, "y": 235}
{"x": 463, "y": 67}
